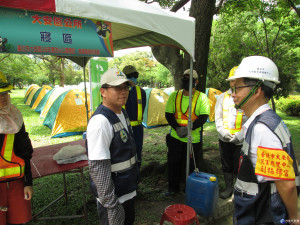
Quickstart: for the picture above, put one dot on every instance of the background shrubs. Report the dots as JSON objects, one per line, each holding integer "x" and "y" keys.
{"x": 289, "y": 105}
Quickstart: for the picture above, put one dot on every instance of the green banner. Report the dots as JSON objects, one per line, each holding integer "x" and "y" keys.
{"x": 29, "y": 32}
{"x": 97, "y": 68}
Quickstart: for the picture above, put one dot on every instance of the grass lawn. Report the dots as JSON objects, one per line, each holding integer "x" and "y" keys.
{"x": 152, "y": 186}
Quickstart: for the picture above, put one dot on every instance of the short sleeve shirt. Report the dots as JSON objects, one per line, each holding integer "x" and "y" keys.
{"x": 202, "y": 107}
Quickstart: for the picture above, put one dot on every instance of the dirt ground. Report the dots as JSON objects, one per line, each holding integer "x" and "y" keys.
{"x": 148, "y": 211}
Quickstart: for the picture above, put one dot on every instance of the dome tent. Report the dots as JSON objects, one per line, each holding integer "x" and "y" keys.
{"x": 29, "y": 97}
{"x": 28, "y": 90}
{"x": 38, "y": 96}
{"x": 66, "y": 115}
{"x": 54, "y": 95}
{"x": 154, "y": 114}
{"x": 43, "y": 101}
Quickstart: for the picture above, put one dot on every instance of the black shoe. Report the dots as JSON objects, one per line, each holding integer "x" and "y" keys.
{"x": 170, "y": 193}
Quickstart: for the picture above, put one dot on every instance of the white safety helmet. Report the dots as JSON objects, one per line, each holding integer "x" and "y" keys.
{"x": 258, "y": 67}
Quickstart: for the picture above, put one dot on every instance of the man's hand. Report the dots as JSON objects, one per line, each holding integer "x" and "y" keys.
{"x": 181, "y": 132}
{"x": 234, "y": 139}
{"x": 227, "y": 137}
{"x": 28, "y": 192}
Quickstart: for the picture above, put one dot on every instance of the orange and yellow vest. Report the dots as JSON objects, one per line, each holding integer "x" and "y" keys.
{"x": 239, "y": 116}
{"x": 182, "y": 118}
{"x": 139, "y": 108}
{"x": 11, "y": 166}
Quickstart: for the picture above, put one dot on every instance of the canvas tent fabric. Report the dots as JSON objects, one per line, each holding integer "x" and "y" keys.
{"x": 39, "y": 96}
{"x": 54, "y": 95}
{"x": 30, "y": 95}
{"x": 154, "y": 114}
{"x": 212, "y": 95}
{"x": 130, "y": 21}
{"x": 66, "y": 115}
{"x": 43, "y": 101}
{"x": 28, "y": 90}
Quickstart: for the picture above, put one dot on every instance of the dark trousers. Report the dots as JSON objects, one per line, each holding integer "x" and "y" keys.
{"x": 230, "y": 154}
{"x": 177, "y": 151}
{"x": 128, "y": 208}
{"x": 138, "y": 133}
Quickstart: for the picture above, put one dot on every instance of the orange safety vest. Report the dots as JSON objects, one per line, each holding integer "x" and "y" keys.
{"x": 238, "y": 119}
{"x": 182, "y": 118}
{"x": 11, "y": 166}
{"x": 139, "y": 108}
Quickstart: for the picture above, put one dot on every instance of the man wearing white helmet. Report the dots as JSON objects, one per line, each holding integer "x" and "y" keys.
{"x": 229, "y": 121}
{"x": 265, "y": 191}
{"x": 112, "y": 153}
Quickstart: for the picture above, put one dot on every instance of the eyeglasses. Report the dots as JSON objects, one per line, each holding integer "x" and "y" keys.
{"x": 119, "y": 88}
{"x": 233, "y": 89}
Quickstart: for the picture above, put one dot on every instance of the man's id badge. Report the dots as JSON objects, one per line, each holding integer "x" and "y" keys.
{"x": 274, "y": 163}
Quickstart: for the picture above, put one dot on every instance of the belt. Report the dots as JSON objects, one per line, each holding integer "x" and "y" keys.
{"x": 123, "y": 165}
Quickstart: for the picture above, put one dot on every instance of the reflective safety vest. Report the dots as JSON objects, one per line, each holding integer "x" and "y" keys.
{"x": 239, "y": 116}
{"x": 139, "y": 108}
{"x": 11, "y": 166}
{"x": 181, "y": 117}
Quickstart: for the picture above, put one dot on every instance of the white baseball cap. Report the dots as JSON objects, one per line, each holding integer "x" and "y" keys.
{"x": 114, "y": 77}
{"x": 187, "y": 72}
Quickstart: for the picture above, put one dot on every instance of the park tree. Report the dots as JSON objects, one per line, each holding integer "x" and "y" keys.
{"x": 268, "y": 28}
{"x": 21, "y": 70}
{"x": 267, "y": 13}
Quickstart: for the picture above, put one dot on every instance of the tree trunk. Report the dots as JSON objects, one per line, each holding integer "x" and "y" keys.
{"x": 203, "y": 12}
{"x": 62, "y": 72}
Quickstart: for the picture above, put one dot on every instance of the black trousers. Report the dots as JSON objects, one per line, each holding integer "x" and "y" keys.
{"x": 177, "y": 151}
{"x": 128, "y": 208}
{"x": 230, "y": 154}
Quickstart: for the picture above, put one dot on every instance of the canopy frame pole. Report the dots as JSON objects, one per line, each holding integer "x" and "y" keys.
{"x": 189, "y": 137}
{"x": 85, "y": 94}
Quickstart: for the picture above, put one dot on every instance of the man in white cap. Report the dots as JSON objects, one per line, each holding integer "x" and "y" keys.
{"x": 112, "y": 154}
{"x": 177, "y": 117}
{"x": 135, "y": 107}
{"x": 265, "y": 191}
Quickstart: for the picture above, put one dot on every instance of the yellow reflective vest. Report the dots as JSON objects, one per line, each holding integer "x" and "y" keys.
{"x": 139, "y": 108}
{"x": 182, "y": 117}
{"x": 239, "y": 116}
{"x": 11, "y": 166}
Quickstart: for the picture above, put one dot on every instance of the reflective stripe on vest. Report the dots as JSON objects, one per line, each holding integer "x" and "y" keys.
{"x": 139, "y": 108}
{"x": 182, "y": 118}
{"x": 238, "y": 119}
{"x": 119, "y": 167}
{"x": 11, "y": 166}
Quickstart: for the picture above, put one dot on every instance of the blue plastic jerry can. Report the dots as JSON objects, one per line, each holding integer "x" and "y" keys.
{"x": 202, "y": 193}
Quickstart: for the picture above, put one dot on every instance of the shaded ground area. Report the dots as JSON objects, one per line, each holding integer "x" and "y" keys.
{"x": 151, "y": 201}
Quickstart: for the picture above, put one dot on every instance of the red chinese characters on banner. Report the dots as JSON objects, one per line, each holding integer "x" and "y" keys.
{"x": 274, "y": 163}
{"x": 56, "y": 21}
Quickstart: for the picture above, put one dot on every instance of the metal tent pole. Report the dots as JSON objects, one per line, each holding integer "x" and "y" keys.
{"x": 86, "y": 104}
{"x": 189, "y": 142}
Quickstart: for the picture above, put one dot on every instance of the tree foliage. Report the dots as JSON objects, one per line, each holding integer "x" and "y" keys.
{"x": 255, "y": 27}
{"x": 151, "y": 73}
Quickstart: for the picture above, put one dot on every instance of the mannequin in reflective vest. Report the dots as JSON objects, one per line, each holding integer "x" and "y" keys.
{"x": 177, "y": 117}
{"x": 135, "y": 107}
{"x": 112, "y": 154}
{"x": 15, "y": 172}
{"x": 267, "y": 186}
{"x": 229, "y": 121}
